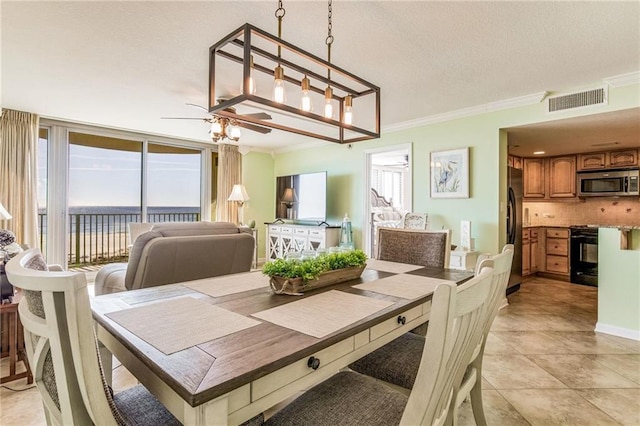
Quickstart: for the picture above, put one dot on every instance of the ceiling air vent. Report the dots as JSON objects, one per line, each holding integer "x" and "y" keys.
{"x": 577, "y": 100}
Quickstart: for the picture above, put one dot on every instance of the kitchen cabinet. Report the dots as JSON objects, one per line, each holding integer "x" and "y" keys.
{"x": 513, "y": 161}
{"x": 534, "y": 174}
{"x": 607, "y": 160}
{"x": 547, "y": 178}
{"x": 530, "y": 251}
{"x": 526, "y": 252}
{"x": 562, "y": 177}
{"x": 557, "y": 250}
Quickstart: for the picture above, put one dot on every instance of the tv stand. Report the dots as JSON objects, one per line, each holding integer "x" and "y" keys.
{"x": 288, "y": 237}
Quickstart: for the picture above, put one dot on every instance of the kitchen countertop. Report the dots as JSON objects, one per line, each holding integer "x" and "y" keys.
{"x": 582, "y": 225}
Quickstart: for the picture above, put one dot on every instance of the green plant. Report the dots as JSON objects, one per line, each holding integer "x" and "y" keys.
{"x": 309, "y": 269}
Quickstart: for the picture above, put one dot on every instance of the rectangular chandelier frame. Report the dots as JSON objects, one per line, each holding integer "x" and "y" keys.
{"x": 295, "y": 120}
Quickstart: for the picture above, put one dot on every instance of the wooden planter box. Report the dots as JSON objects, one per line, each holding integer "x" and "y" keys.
{"x": 296, "y": 287}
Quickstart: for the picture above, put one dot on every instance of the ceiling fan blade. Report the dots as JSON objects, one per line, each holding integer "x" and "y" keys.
{"x": 258, "y": 115}
{"x": 259, "y": 129}
{"x": 184, "y": 118}
{"x": 198, "y": 106}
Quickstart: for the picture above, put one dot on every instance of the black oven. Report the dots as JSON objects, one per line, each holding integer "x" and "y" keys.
{"x": 584, "y": 255}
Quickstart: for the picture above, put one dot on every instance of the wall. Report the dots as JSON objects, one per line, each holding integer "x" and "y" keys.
{"x": 590, "y": 211}
{"x": 260, "y": 182}
{"x": 487, "y": 143}
{"x": 618, "y": 285}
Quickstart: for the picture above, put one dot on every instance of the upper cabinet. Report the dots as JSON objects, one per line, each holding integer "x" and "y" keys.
{"x": 534, "y": 176}
{"x": 562, "y": 177}
{"x": 553, "y": 177}
{"x": 608, "y": 160}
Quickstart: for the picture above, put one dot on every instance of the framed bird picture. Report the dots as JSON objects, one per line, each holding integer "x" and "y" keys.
{"x": 450, "y": 173}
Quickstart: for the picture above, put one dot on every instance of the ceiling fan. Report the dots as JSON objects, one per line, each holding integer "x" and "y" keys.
{"x": 225, "y": 127}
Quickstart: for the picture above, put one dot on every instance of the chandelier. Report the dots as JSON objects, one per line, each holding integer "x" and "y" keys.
{"x": 224, "y": 128}
{"x": 285, "y": 81}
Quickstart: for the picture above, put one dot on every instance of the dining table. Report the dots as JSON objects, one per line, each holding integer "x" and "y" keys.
{"x": 223, "y": 350}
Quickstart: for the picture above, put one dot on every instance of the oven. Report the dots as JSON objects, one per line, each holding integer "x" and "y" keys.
{"x": 584, "y": 255}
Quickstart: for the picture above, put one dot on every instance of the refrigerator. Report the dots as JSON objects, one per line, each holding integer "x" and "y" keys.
{"x": 514, "y": 225}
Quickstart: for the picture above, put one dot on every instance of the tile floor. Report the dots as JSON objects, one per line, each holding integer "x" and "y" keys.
{"x": 543, "y": 365}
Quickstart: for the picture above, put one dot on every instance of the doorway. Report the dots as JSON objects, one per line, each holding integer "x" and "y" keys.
{"x": 387, "y": 188}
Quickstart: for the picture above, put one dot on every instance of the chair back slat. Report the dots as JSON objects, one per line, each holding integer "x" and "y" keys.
{"x": 455, "y": 328}
{"x": 60, "y": 342}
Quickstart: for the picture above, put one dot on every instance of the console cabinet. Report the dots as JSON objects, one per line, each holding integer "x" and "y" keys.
{"x": 284, "y": 238}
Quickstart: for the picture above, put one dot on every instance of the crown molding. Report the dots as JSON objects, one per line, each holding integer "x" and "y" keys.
{"x": 534, "y": 98}
{"x": 623, "y": 79}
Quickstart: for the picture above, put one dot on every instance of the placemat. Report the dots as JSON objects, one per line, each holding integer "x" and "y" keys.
{"x": 393, "y": 267}
{"x": 229, "y": 284}
{"x": 324, "y": 313}
{"x": 180, "y": 323}
{"x": 403, "y": 285}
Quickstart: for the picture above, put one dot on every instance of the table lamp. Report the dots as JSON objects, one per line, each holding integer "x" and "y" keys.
{"x": 289, "y": 198}
{"x": 239, "y": 195}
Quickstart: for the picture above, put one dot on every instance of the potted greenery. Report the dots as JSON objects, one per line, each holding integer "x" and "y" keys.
{"x": 294, "y": 276}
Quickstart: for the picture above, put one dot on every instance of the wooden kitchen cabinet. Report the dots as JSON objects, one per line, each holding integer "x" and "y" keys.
{"x": 607, "y": 160}
{"x": 557, "y": 250}
{"x": 624, "y": 158}
{"x": 546, "y": 178}
{"x": 562, "y": 177}
{"x": 526, "y": 252}
{"x": 534, "y": 177}
{"x": 533, "y": 252}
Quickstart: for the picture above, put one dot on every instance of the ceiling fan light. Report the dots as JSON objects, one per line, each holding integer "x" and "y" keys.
{"x": 234, "y": 133}
{"x": 216, "y": 128}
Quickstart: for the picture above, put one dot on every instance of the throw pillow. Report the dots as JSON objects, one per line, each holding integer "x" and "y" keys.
{"x": 37, "y": 263}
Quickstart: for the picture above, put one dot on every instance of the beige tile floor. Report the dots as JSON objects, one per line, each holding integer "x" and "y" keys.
{"x": 543, "y": 365}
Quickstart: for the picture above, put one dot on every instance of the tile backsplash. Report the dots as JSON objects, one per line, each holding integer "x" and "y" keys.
{"x": 590, "y": 211}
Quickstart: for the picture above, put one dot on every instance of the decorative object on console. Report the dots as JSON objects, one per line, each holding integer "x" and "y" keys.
{"x": 450, "y": 174}
{"x": 289, "y": 198}
{"x": 465, "y": 235}
{"x": 346, "y": 237}
{"x": 294, "y": 68}
{"x": 294, "y": 276}
{"x": 239, "y": 195}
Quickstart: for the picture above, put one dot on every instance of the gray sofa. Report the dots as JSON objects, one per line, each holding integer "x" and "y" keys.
{"x": 174, "y": 252}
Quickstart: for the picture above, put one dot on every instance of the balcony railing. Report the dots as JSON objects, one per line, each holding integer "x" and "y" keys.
{"x": 99, "y": 238}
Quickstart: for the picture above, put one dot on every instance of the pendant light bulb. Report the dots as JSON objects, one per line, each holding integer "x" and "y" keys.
{"x": 305, "y": 101}
{"x": 216, "y": 128}
{"x": 279, "y": 94}
{"x": 328, "y": 107}
{"x": 348, "y": 110}
{"x": 252, "y": 83}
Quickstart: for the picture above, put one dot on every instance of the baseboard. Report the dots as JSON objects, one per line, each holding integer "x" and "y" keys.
{"x": 627, "y": 333}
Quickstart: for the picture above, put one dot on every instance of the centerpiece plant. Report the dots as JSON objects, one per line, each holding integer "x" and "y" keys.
{"x": 306, "y": 271}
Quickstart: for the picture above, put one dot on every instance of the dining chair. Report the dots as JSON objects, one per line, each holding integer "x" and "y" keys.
{"x": 62, "y": 351}
{"x": 397, "y": 363}
{"x": 411, "y": 220}
{"x": 415, "y": 246}
{"x": 349, "y": 398}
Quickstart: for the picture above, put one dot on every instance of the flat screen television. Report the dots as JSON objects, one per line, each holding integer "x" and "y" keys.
{"x": 302, "y": 197}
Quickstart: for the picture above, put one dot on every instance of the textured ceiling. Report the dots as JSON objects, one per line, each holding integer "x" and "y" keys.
{"x": 126, "y": 64}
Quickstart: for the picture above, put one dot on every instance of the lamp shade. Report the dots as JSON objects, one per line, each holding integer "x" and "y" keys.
{"x": 4, "y": 214}
{"x": 289, "y": 196}
{"x": 238, "y": 193}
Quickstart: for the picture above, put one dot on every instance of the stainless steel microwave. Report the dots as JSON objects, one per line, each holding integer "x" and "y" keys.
{"x": 613, "y": 183}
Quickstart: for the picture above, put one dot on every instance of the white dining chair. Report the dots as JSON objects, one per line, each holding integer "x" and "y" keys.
{"x": 61, "y": 348}
{"x": 350, "y": 398}
{"x": 397, "y": 363}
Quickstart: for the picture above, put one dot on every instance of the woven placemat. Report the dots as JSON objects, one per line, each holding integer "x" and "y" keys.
{"x": 403, "y": 285}
{"x": 393, "y": 267}
{"x": 324, "y": 313}
{"x": 229, "y": 284}
{"x": 180, "y": 323}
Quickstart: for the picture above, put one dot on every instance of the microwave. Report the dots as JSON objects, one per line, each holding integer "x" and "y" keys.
{"x": 613, "y": 183}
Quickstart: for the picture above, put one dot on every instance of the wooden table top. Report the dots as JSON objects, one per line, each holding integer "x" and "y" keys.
{"x": 206, "y": 371}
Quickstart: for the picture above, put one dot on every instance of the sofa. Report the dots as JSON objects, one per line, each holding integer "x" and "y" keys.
{"x": 179, "y": 251}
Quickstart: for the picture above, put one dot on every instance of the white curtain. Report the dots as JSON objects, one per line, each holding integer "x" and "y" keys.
{"x": 18, "y": 174}
{"x": 229, "y": 174}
